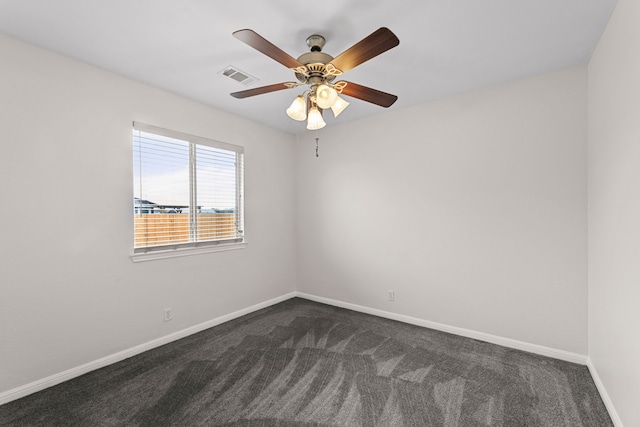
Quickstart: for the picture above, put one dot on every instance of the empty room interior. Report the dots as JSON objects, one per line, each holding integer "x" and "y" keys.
{"x": 482, "y": 183}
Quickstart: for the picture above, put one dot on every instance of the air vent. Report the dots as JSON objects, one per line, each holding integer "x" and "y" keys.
{"x": 238, "y": 75}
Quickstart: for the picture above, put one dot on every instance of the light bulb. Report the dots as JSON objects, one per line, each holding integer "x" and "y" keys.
{"x": 298, "y": 109}
{"x": 339, "y": 106}
{"x": 325, "y": 96}
{"x": 315, "y": 119}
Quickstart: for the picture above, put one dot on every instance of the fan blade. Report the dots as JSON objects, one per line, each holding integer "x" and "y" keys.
{"x": 261, "y": 44}
{"x": 371, "y": 46}
{"x": 263, "y": 89}
{"x": 373, "y": 96}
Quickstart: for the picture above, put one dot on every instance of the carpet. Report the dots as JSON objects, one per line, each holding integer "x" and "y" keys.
{"x": 302, "y": 363}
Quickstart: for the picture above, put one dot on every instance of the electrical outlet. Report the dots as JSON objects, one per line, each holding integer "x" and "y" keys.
{"x": 167, "y": 314}
{"x": 391, "y": 295}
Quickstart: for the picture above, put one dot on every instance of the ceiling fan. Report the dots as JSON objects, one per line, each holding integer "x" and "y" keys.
{"x": 318, "y": 70}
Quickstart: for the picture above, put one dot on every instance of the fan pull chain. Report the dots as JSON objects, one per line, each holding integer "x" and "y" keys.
{"x": 317, "y": 146}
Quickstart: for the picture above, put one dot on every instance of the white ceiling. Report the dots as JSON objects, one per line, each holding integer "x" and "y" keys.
{"x": 446, "y": 46}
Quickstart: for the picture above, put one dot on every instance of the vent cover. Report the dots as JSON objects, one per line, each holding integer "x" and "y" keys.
{"x": 238, "y": 75}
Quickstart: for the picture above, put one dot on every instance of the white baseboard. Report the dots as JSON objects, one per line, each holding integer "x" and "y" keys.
{"x": 481, "y": 336}
{"x": 55, "y": 379}
{"x": 603, "y": 394}
{"x": 58, "y": 378}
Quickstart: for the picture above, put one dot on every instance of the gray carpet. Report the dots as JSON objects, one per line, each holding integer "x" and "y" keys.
{"x": 300, "y": 363}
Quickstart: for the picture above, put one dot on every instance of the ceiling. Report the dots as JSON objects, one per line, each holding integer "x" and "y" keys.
{"x": 446, "y": 46}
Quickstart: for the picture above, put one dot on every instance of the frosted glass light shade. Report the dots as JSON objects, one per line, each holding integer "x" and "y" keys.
{"x": 325, "y": 96}
{"x": 298, "y": 109}
{"x": 315, "y": 119}
{"x": 339, "y": 106}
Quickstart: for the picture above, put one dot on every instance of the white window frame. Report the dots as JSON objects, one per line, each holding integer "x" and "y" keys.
{"x": 196, "y": 247}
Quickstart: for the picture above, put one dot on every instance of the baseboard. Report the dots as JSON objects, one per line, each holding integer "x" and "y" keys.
{"x": 603, "y": 394}
{"x": 69, "y": 374}
{"x": 55, "y": 379}
{"x": 481, "y": 336}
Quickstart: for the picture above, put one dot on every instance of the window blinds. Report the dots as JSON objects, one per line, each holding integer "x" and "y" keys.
{"x": 188, "y": 190}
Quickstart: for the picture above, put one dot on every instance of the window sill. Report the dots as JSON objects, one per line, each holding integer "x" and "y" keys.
{"x": 173, "y": 253}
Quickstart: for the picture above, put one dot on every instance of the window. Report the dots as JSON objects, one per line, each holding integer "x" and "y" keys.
{"x": 188, "y": 192}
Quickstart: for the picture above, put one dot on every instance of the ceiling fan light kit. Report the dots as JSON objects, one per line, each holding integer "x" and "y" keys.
{"x": 339, "y": 106}
{"x": 298, "y": 109}
{"x": 317, "y": 70}
{"x": 326, "y": 96}
{"x": 315, "y": 120}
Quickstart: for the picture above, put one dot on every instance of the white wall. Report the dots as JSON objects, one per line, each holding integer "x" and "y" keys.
{"x": 69, "y": 292}
{"x": 473, "y": 209}
{"x": 614, "y": 210}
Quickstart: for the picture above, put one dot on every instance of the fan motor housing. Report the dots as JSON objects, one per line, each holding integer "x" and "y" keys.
{"x": 315, "y": 62}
